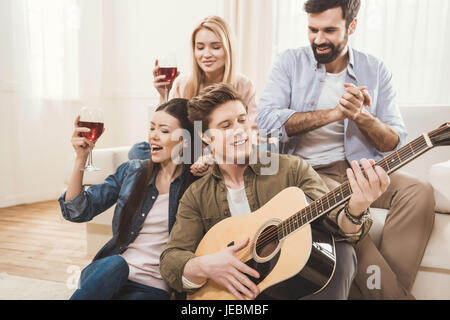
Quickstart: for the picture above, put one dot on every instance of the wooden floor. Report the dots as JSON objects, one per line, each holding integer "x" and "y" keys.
{"x": 36, "y": 242}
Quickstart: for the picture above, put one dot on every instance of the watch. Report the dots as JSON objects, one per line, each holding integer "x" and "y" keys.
{"x": 357, "y": 220}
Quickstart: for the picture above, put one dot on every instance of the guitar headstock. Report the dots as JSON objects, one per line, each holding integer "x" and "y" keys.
{"x": 440, "y": 136}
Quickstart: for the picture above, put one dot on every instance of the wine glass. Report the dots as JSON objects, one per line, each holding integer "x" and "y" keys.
{"x": 91, "y": 118}
{"x": 168, "y": 67}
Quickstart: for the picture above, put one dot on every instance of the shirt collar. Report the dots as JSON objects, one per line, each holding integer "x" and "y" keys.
{"x": 254, "y": 166}
{"x": 156, "y": 168}
{"x": 351, "y": 63}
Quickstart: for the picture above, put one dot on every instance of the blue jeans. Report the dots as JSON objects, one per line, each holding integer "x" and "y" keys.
{"x": 107, "y": 279}
{"x": 140, "y": 150}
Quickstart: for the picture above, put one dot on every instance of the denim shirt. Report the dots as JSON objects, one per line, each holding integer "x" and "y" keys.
{"x": 115, "y": 190}
{"x": 295, "y": 84}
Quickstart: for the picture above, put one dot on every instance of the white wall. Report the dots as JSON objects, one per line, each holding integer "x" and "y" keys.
{"x": 124, "y": 52}
{"x": 119, "y": 42}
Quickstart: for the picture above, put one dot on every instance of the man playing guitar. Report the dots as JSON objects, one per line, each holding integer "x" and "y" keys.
{"x": 237, "y": 185}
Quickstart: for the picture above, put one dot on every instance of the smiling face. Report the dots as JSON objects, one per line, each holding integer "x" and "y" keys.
{"x": 328, "y": 34}
{"x": 162, "y": 128}
{"x": 229, "y": 133}
{"x": 209, "y": 52}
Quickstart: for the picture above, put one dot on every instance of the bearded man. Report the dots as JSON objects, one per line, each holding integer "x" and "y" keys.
{"x": 332, "y": 105}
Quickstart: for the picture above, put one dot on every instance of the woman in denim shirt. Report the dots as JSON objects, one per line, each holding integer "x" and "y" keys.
{"x": 146, "y": 194}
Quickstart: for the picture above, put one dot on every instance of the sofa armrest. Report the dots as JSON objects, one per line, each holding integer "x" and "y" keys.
{"x": 106, "y": 159}
{"x": 439, "y": 178}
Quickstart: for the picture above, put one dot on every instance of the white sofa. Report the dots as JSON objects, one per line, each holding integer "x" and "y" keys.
{"x": 433, "y": 279}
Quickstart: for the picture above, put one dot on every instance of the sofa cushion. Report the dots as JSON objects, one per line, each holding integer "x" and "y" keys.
{"x": 431, "y": 285}
{"x": 378, "y": 217}
{"x": 106, "y": 159}
{"x": 437, "y": 254}
{"x": 121, "y": 155}
{"x": 102, "y": 159}
{"x": 439, "y": 177}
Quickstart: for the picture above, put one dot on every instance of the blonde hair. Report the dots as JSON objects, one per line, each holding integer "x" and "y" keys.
{"x": 221, "y": 29}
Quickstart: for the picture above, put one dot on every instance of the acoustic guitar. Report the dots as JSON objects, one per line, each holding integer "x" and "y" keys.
{"x": 292, "y": 259}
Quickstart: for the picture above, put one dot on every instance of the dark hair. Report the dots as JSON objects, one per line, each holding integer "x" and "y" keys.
{"x": 201, "y": 106}
{"x": 178, "y": 109}
{"x": 349, "y": 8}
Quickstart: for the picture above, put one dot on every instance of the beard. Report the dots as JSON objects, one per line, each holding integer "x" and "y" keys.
{"x": 335, "y": 51}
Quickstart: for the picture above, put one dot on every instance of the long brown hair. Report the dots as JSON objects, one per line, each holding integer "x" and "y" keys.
{"x": 178, "y": 109}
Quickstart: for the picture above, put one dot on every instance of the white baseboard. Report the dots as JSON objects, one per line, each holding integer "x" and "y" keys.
{"x": 28, "y": 198}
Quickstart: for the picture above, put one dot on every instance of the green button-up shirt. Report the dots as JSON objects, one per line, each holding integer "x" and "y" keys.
{"x": 205, "y": 203}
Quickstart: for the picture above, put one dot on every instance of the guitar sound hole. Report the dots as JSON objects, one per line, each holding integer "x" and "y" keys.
{"x": 267, "y": 242}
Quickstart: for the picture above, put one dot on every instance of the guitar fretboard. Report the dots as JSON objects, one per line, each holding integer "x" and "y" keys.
{"x": 342, "y": 193}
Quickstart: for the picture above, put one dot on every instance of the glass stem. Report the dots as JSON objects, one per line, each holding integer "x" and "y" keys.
{"x": 90, "y": 159}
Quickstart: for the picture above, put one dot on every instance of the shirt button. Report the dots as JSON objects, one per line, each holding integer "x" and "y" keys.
{"x": 132, "y": 232}
{"x": 143, "y": 214}
{"x": 313, "y": 103}
{"x": 153, "y": 197}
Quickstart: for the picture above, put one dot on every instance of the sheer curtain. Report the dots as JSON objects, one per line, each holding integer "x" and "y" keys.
{"x": 251, "y": 21}
{"x": 410, "y": 36}
{"x": 38, "y": 84}
{"x": 57, "y": 55}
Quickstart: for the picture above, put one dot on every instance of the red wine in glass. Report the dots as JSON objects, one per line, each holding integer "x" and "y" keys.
{"x": 169, "y": 72}
{"x": 96, "y": 130}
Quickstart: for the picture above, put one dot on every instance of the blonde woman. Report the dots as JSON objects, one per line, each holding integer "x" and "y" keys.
{"x": 213, "y": 61}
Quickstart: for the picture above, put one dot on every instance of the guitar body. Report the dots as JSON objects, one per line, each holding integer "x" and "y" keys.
{"x": 314, "y": 276}
{"x": 294, "y": 267}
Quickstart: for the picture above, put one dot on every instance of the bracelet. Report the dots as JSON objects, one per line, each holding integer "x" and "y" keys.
{"x": 357, "y": 220}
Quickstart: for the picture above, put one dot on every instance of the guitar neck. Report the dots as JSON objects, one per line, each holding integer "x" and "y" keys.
{"x": 342, "y": 193}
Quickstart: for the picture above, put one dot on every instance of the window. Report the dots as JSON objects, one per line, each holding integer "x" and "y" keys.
{"x": 410, "y": 36}
{"x": 53, "y": 28}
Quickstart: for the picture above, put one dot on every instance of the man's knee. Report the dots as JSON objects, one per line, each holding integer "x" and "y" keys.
{"x": 418, "y": 192}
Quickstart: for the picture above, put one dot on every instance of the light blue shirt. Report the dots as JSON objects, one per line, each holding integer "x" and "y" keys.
{"x": 295, "y": 83}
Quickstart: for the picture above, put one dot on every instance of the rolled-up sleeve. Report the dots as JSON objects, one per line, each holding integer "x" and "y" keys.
{"x": 185, "y": 236}
{"x": 387, "y": 109}
{"x": 273, "y": 107}
{"x": 95, "y": 200}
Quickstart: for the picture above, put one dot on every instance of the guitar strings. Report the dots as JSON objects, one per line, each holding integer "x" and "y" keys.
{"x": 267, "y": 237}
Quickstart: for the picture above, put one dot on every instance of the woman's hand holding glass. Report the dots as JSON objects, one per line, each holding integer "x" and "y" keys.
{"x": 164, "y": 74}
{"x": 80, "y": 144}
{"x": 88, "y": 128}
